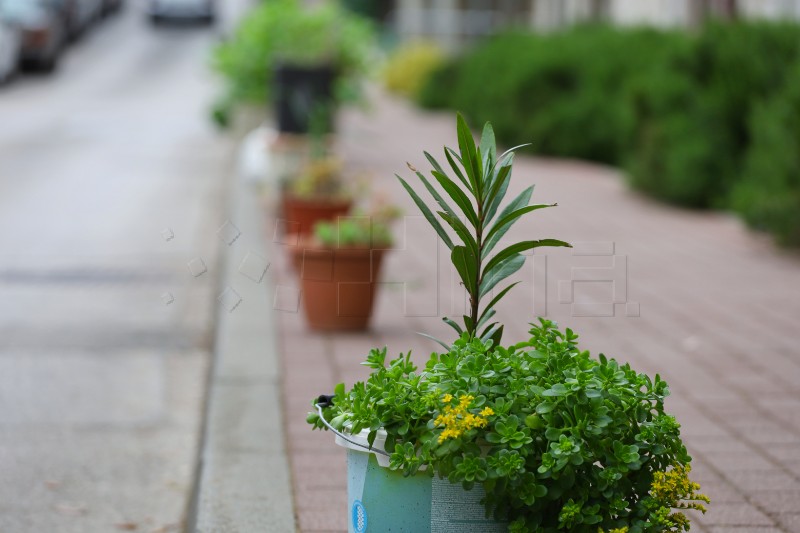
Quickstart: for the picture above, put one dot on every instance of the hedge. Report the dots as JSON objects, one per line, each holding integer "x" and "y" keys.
{"x": 678, "y": 110}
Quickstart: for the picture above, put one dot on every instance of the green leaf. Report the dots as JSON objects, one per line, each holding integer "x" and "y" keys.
{"x": 497, "y": 181}
{"x": 434, "y": 163}
{"x": 520, "y": 247}
{"x": 488, "y": 147}
{"x": 469, "y": 155}
{"x": 436, "y": 196}
{"x": 466, "y": 265}
{"x": 490, "y": 306}
{"x": 452, "y": 157}
{"x": 487, "y": 315}
{"x": 519, "y": 201}
{"x": 499, "y": 273}
{"x": 458, "y": 196}
{"x": 427, "y": 214}
{"x": 504, "y": 223}
{"x": 461, "y": 230}
{"x": 434, "y": 339}
{"x": 453, "y": 324}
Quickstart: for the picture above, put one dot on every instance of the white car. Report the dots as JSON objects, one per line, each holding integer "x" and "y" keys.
{"x": 10, "y": 50}
{"x": 163, "y": 10}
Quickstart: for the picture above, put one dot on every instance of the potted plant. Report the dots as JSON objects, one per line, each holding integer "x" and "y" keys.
{"x": 538, "y": 436}
{"x": 317, "y": 193}
{"x": 303, "y": 60}
{"x": 339, "y": 268}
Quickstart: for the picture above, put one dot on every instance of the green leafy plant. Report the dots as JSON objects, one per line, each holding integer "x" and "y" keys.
{"x": 319, "y": 178}
{"x": 471, "y": 209}
{"x": 560, "y": 441}
{"x": 287, "y": 31}
{"x": 362, "y": 229}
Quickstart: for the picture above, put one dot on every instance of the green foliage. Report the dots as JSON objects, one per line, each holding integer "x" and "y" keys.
{"x": 558, "y": 439}
{"x": 768, "y": 197}
{"x": 470, "y": 207}
{"x": 287, "y": 31}
{"x": 692, "y": 116}
{"x": 410, "y": 65}
{"x": 548, "y": 87}
{"x": 673, "y": 108}
{"x": 354, "y": 231}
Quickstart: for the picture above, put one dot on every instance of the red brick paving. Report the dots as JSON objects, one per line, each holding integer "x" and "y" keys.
{"x": 720, "y": 312}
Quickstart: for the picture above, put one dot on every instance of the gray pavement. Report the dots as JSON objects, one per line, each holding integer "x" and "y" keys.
{"x": 244, "y": 484}
{"x": 111, "y": 181}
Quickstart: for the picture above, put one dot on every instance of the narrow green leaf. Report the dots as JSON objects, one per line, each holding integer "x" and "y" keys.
{"x": 519, "y": 201}
{"x": 488, "y": 148}
{"x": 519, "y": 247}
{"x": 490, "y": 306}
{"x": 458, "y": 196}
{"x": 434, "y": 339}
{"x": 505, "y": 222}
{"x": 490, "y": 328}
{"x": 452, "y": 157}
{"x": 487, "y": 315}
{"x": 466, "y": 266}
{"x": 434, "y": 163}
{"x": 500, "y": 272}
{"x": 469, "y": 154}
{"x": 436, "y": 196}
{"x": 461, "y": 230}
{"x": 498, "y": 189}
{"x": 427, "y": 214}
{"x": 453, "y": 324}
{"x": 514, "y": 149}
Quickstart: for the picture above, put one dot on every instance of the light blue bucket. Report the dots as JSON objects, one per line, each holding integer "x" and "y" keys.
{"x": 381, "y": 500}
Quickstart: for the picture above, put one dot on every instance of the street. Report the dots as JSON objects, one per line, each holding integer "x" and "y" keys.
{"x": 112, "y": 190}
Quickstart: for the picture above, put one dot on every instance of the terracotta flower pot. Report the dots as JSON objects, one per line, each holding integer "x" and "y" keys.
{"x": 301, "y": 214}
{"x": 338, "y": 285}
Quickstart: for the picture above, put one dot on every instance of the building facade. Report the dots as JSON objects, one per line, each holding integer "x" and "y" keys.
{"x": 454, "y": 23}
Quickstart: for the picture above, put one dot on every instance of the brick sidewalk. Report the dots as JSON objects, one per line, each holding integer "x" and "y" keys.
{"x": 718, "y": 306}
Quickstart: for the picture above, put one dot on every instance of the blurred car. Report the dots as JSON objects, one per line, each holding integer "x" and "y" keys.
{"x": 112, "y": 6}
{"x": 10, "y": 48}
{"x": 41, "y": 28}
{"x": 77, "y": 15}
{"x": 188, "y": 10}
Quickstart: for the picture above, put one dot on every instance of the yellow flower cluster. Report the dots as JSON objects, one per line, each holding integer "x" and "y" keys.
{"x": 456, "y": 419}
{"x": 675, "y": 487}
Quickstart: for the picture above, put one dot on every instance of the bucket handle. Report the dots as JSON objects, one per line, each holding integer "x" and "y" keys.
{"x": 326, "y": 401}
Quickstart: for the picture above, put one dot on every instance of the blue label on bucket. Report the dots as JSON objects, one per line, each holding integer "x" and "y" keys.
{"x": 359, "y": 517}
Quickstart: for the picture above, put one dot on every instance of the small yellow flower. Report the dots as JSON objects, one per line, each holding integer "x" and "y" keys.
{"x": 447, "y": 398}
{"x": 487, "y": 411}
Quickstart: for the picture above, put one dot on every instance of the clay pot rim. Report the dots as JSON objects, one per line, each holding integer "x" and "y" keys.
{"x": 319, "y": 201}
{"x": 314, "y": 247}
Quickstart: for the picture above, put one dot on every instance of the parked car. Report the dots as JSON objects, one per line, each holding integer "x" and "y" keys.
{"x": 10, "y": 48}
{"x": 41, "y": 28}
{"x": 112, "y": 6}
{"x": 77, "y": 15}
{"x": 182, "y": 10}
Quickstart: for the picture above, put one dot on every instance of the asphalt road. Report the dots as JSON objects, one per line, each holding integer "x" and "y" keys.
{"x": 112, "y": 181}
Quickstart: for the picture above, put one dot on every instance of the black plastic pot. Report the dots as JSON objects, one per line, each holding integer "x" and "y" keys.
{"x": 304, "y": 98}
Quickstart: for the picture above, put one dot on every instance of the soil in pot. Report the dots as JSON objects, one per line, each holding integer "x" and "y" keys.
{"x": 338, "y": 285}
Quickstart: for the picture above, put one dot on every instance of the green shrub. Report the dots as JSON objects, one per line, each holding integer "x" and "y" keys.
{"x": 546, "y": 88}
{"x": 691, "y": 116}
{"x": 285, "y": 30}
{"x": 768, "y": 196}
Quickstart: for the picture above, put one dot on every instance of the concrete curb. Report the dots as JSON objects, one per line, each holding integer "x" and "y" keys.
{"x": 244, "y": 482}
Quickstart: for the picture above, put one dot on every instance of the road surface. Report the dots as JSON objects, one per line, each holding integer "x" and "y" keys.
{"x": 112, "y": 191}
